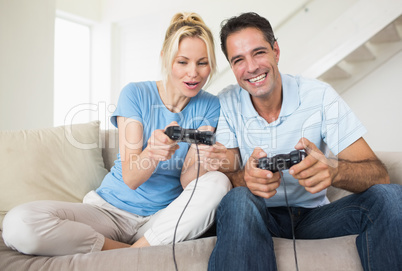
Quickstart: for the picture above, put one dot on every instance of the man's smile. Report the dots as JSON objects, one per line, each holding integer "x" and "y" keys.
{"x": 258, "y": 78}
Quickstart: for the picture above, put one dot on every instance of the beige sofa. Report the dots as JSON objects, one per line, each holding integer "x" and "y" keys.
{"x": 64, "y": 163}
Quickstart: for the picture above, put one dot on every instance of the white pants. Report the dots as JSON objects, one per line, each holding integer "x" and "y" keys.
{"x": 61, "y": 228}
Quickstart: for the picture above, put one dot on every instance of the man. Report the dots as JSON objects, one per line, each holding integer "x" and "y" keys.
{"x": 270, "y": 113}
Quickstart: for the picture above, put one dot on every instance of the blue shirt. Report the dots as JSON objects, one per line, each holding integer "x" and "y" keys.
{"x": 141, "y": 101}
{"x": 310, "y": 109}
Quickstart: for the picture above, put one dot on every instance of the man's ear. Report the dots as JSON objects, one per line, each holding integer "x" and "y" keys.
{"x": 277, "y": 51}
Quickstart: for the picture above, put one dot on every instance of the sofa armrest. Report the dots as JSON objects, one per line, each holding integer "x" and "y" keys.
{"x": 110, "y": 146}
{"x": 393, "y": 162}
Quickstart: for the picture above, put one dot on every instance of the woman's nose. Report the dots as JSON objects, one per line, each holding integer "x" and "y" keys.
{"x": 192, "y": 71}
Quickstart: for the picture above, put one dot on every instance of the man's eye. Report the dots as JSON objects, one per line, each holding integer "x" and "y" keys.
{"x": 237, "y": 61}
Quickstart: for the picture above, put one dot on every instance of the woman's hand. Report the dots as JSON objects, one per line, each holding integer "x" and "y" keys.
{"x": 212, "y": 157}
{"x": 160, "y": 147}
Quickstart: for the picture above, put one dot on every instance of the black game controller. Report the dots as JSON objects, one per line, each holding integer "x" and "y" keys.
{"x": 281, "y": 161}
{"x": 190, "y": 135}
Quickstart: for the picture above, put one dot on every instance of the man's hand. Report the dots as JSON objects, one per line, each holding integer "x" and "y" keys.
{"x": 261, "y": 182}
{"x": 315, "y": 172}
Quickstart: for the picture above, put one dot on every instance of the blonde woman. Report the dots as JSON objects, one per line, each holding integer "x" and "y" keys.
{"x": 140, "y": 201}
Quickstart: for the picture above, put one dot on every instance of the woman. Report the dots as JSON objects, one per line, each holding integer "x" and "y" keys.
{"x": 140, "y": 201}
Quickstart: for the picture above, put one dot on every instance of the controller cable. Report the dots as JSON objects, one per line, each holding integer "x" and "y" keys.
{"x": 291, "y": 219}
{"x": 185, "y": 207}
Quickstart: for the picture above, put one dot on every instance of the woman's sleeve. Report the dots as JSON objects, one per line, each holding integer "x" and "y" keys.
{"x": 129, "y": 104}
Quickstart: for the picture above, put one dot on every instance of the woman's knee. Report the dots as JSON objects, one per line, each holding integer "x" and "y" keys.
{"x": 217, "y": 183}
{"x": 20, "y": 228}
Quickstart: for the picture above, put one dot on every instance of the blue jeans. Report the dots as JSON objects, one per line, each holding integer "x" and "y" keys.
{"x": 245, "y": 227}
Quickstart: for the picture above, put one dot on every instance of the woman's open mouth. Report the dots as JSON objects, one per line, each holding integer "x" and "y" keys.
{"x": 191, "y": 85}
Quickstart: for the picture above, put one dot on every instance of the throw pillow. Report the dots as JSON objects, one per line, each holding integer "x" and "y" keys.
{"x": 61, "y": 163}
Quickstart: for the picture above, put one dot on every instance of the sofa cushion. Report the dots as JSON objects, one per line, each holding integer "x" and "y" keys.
{"x": 60, "y": 163}
{"x": 325, "y": 254}
{"x": 393, "y": 162}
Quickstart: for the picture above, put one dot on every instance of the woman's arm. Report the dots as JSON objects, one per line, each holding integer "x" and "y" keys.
{"x": 138, "y": 164}
{"x": 207, "y": 159}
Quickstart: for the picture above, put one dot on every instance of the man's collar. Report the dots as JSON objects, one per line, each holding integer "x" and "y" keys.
{"x": 290, "y": 101}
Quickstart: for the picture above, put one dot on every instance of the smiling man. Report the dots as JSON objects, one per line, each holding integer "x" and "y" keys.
{"x": 269, "y": 113}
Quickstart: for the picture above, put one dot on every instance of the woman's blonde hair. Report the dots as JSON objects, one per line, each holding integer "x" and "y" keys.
{"x": 181, "y": 26}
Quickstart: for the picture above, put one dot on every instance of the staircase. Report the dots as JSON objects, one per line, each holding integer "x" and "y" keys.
{"x": 342, "y": 52}
{"x": 366, "y": 58}
{"x": 361, "y": 39}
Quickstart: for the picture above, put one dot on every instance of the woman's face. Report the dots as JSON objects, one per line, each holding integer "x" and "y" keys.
{"x": 190, "y": 69}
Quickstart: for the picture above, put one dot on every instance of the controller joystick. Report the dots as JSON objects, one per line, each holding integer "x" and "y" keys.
{"x": 192, "y": 136}
{"x": 281, "y": 161}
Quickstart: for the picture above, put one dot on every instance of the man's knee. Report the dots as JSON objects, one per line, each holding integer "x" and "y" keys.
{"x": 386, "y": 193}
{"x": 241, "y": 201}
{"x": 234, "y": 196}
{"x": 387, "y": 198}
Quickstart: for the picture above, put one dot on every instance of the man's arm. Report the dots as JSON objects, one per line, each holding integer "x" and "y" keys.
{"x": 232, "y": 167}
{"x": 355, "y": 169}
{"x": 359, "y": 168}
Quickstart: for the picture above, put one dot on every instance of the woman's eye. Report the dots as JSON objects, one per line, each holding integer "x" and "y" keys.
{"x": 182, "y": 62}
{"x": 203, "y": 63}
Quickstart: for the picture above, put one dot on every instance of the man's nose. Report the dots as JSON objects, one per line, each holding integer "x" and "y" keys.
{"x": 252, "y": 65}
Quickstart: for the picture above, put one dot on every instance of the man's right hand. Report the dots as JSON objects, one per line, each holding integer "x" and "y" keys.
{"x": 261, "y": 182}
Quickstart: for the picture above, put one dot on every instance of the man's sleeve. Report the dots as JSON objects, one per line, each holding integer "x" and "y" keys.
{"x": 341, "y": 127}
{"x": 226, "y": 130}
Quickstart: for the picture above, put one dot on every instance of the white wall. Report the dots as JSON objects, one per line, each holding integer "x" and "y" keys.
{"x": 26, "y": 63}
{"x": 88, "y": 9}
{"x": 140, "y": 28}
{"x": 26, "y": 54}
{"x": 377, "y": 102}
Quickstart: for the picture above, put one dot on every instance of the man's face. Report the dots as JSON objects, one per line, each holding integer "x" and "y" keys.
{"x": 253, "y": 61}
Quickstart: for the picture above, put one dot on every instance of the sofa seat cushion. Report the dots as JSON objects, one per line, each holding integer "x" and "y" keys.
{"x": 326, "y": 254}
{"x": 60, "y": 163}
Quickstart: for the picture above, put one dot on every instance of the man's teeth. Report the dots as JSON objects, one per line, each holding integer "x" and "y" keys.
{"x": 258, "y": 78}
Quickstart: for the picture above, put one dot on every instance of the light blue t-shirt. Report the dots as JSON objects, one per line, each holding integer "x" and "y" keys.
{"x": 141, "y": 101}
{"x": 310, "y": 109}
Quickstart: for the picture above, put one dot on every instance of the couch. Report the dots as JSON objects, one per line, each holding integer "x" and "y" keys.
{"x": 63, "y": 163}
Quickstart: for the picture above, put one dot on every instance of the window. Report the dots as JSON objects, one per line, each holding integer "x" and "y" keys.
{"x": 72, "y": 60}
